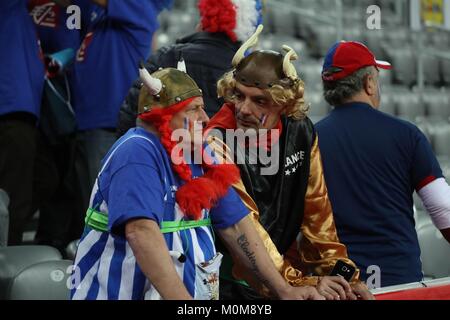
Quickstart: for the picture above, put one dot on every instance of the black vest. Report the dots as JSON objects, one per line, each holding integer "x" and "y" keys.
{"x": 280, "y": 197}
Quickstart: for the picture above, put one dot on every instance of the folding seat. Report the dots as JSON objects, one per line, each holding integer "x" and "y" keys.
{"x": 409, "y": 106}
{"x": 437, "y": 104}
{"x": 435, "y": 250}
{"x": 16, "y": 258}
{"x": 418, "y": 202}
{"x": 386, "y": 78}
{"x": 71, "y": 249}
{"x": 164, "y": 20}
{"x": 439, "y": 39}
{"x": 445, "y": 70}
{"x": 441, "y": 140}
{"x": 310, "y": 73}
{"x": 284, "y": 21}
{"x": 323, "y": 37}
{"x": 425, "y": 126}
{"x": 431, "y": 69}
{"x": 318, "y": 106}
{"x": 375, "y": 40}
{"x": 48, "y": 280}
{"x": 182, "y": 23}
{"x": 421, "y": 218}
{"x": 398, "y": 36}
{"x": 404, "y": 64}
{"x": 387, "y": 104}
{"x": 354, "y": 33}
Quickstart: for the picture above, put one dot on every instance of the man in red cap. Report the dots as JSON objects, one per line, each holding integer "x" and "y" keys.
{"x": 373, "y": 162}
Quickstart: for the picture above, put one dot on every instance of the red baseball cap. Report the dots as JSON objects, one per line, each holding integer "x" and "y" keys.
{"x": 346, "y": 57}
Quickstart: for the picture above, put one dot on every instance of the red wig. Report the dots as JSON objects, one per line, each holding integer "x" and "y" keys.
{"x": 200, "y": 193}
{"x": 218, "y": 16}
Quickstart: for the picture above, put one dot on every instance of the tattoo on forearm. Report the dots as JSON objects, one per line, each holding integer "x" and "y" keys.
{"x": 244, "y": 245}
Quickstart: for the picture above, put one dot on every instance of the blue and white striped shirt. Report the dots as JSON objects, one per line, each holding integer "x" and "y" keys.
{"x": 137, "y": 181}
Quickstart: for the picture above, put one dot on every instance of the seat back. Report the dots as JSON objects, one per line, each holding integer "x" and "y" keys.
{"x": 47, "y": 280}
{"x": 16, "y": 258}
{"x": 435, "y": 252}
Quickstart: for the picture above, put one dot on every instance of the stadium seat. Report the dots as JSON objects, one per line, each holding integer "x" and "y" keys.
{"x": 374, "y": 40}
{"x": 15, "y": 259}
{"x": 71, "y": 249}
{"x": 42, "y": 281}
{"x": 283, "y": 21}
{"x": 322, "y": 39}
{"x": 387, "y": 104}
{"x": 438, "y": 39}
{"x": 441, "y": 140}
{"x": 445, "y": 70}
{"x": 435, "y": 252}
{"x": 424, "y": 125}
{"x": 386, "y": 78}
{"x": 404, "y": 64}
{"x": 445, "y": 166}
{"x": 318, "y": 106}
{"x": 4, "y": 218}
{"x": 182, "y": 23}
{"x": 422, "y": 218}
{"x": 310, "y": 73}
{"x": 431, "y": 70}
{"x": 418, "y": 202}
{"x": 398, "y": 36}
{"x": 437, "y": 104}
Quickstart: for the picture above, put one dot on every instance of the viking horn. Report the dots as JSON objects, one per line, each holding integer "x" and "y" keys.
{"x": 288, "y": 67}
{"x": 251, "y": 42}
{"x": 153, "y": 84}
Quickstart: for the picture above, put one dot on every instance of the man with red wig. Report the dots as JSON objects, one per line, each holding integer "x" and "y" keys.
{"x": 148, "y": 231}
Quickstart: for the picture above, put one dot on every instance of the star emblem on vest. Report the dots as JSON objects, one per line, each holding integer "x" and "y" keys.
{"x": 294, "y": 162}
{"x": 292, "y": 171}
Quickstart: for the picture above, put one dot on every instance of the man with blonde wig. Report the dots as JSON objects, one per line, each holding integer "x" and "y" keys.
{"x": 282, "y": 179}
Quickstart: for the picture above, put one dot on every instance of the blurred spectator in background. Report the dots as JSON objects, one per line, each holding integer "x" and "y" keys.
{"x": 118, "y": 36}
{"x": 207, "y": 53}
{"x": 21, "y": 83}
{"x": 57, "y": 125}
{"x": 373, "y": 163}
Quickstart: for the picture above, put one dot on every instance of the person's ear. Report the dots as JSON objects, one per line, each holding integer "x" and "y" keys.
{"x": 370, "y": 85}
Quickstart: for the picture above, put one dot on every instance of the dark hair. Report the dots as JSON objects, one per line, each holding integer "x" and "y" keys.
{"x": 338, "y": 92}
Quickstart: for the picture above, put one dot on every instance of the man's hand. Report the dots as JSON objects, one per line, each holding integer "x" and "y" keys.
{"x": 301, "y": 293}
{"x": 361, "y": 290}
{"x": 335, "y": 288}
